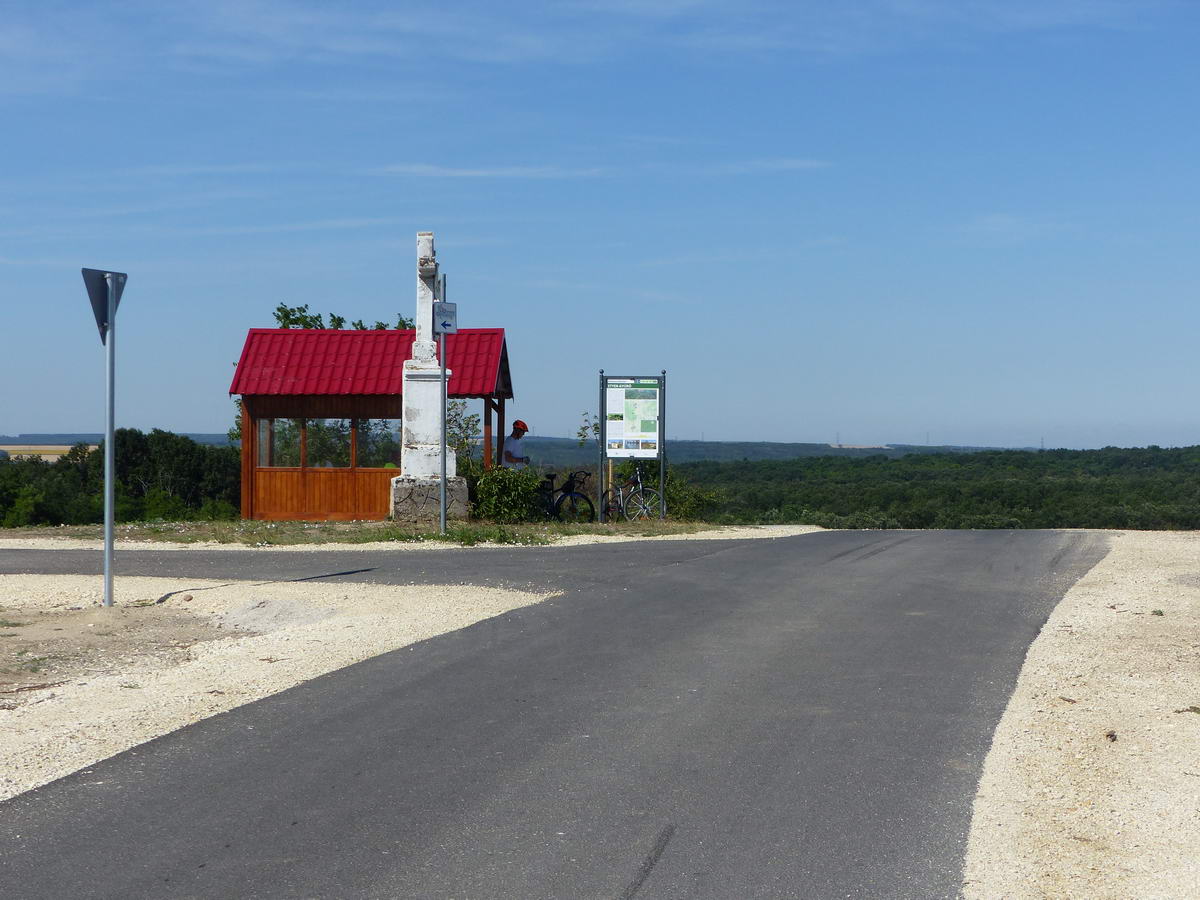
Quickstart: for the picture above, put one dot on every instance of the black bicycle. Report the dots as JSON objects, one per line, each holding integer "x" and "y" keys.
{"x": 573, "y": 505}
{"x": 631, "y": 500}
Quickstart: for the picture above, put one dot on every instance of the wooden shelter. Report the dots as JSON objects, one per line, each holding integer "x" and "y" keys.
{"x": 316, "y": 443}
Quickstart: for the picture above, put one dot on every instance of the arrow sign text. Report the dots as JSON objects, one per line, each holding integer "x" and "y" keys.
{"x": 445, "y": 318}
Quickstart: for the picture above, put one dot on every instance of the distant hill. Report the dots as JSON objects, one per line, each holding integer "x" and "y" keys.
{"x": 566, "y": 453}
{"x": 70, "y": 438}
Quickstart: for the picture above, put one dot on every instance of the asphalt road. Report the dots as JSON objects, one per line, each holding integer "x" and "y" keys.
{"x": 800, "y": 717}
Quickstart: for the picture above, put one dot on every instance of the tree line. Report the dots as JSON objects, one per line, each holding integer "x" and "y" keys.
{"x": 159, "y": 475}
{"x": 170, "y": 477}
{"x": 1150, "y": 488}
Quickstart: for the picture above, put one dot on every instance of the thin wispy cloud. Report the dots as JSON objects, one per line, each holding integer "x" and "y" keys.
{"x": 158, "y": 230}
{"x": 735, "y": 167}
{"x": 273, "y": 32}
{"x": 425, "y": 170}
{"x": 185, "y": 169}
{"x": 290, "y": 227}
{"x": 49, "y": 47}
{"x": 765, "y": 166}
{"x": 661, "y": 140}
{"x": 1010, "y": 228}
{"x": 35, "y": 262}
{"x": 1021, "y": 15}
{"x": 175, "y": 204}
{"x": 423, "y": 94}
{"x": 694, "y": 259}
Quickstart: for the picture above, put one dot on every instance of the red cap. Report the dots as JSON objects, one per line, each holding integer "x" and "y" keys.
{"x": 520, "y": 423}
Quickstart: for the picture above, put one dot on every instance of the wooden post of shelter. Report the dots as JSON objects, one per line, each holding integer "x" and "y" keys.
{"x": 249, "y": 452}
{"x": 501, "y": 432}
{"x": 488, "y": 406}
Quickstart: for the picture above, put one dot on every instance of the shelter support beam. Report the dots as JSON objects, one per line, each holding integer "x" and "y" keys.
{"x": 489, "y": 406}
{"x": 500, "y": 432}
{"x": 249, "y": 452}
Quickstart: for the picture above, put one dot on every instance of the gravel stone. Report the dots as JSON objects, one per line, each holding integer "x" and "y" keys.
{"x": 1091, "y": 788}
{"x": 243, "y": 641}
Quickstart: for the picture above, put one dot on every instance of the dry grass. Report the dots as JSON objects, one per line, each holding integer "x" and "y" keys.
{"x": 257, "y": 533}
{"x": 48, "y": 452}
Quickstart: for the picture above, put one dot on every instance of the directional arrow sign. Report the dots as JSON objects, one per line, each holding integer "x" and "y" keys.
{"x": 97, "y": 288}
{"x": 445, "y": 318}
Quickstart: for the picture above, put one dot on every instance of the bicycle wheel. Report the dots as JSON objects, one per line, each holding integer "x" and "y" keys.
{"x": 611, "y": 504}
{"x": 574, "y": 508}
{"x": 642, "y": 504}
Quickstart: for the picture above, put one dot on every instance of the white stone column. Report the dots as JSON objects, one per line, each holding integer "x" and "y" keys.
{"x": 416, "y": 492}
{"x": 422, "y": 433}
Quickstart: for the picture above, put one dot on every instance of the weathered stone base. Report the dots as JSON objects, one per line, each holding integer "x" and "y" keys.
{"x": 417, "y": 499}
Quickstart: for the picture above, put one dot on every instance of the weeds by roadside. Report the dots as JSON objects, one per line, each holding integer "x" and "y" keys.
{"x": 274, "y": 534}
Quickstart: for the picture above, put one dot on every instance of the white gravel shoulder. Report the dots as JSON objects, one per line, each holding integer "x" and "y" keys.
{"x": 1091, "y": 788}
{"x": 721, "y": 533}
{"x": 293, "y": 632}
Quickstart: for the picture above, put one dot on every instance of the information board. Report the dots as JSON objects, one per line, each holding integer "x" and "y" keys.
{"x": 632, "y": 418}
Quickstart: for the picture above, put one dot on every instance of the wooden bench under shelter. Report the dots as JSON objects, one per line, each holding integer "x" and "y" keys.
{"x": 321, "y": 414}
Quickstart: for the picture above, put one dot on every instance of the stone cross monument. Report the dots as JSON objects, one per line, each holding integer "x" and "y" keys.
{"x": 416, "y": 492}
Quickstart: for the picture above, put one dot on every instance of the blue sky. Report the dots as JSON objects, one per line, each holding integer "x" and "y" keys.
{"x": 890, "y": 220}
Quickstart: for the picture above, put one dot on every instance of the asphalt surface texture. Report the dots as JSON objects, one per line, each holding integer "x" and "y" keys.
{"x": 798, "y": 717}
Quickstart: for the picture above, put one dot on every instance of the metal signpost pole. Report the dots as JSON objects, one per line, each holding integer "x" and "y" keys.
{"x": 662, "y": 445}
{"x": 600, "y": 480}
{"x": 441, "y": 331}
{"x": 442, "y": 505}
{"x": 110, "y": 380}
{"x": 445, "y": 321}
{"x": 104, "y": 293}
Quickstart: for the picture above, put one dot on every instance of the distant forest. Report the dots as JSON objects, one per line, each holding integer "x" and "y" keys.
{"x": 159, "y": 475}
{"x": 1151, "y": 488}
{"x": 167, "y": 476}
{"x": 568, "y": 453}
{"x": 555, "y": 451}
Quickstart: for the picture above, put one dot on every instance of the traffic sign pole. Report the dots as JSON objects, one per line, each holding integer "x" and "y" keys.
{"x": 445, "y": 321}
{"x": 104, "y": 293}
{"x": 442, "y": 504}
{"x": 110, "y": 353}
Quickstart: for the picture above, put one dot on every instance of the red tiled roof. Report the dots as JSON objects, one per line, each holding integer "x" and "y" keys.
{"x": 296, "y": 361}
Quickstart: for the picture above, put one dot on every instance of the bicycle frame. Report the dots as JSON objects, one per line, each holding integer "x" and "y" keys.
{"x": 574, "y": 484}
{"x": 622, "y": 492}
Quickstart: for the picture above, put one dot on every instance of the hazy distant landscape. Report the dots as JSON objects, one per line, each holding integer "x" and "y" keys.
{"x": 563, "y": 452}
{"x": 165, "y": 476}
{"x": 555, "y": 452}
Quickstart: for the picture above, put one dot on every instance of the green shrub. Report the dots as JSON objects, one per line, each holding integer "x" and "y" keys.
{"x": 217, "y": 511}
{"x": 24, "y": 509}
{"x": 163, "y": 506}
{"x": 688, "y": 502}
{"x": 509, "y": 495}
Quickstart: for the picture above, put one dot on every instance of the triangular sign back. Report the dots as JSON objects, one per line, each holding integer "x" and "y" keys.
{"x": 97, "y": 288}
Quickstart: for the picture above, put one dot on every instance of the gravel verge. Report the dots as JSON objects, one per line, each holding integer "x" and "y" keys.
{"x": 1091, "y": 788}
{"x": 233, "y": 643}
{"x": 719, "y": 533}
